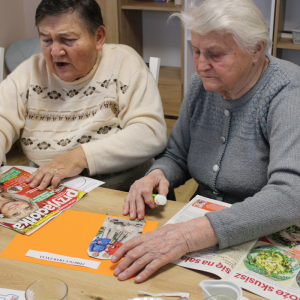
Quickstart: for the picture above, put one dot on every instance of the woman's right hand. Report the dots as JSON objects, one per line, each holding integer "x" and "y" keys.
{"x": 141, "y": 192}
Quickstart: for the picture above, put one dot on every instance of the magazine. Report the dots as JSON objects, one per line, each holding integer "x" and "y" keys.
{"x": 24, "y": 209}
{"x": 82, "y": 183}
{"x": 268, "y": 267}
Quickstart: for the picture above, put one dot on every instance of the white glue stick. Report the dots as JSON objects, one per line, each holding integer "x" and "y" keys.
{"x": 159, "y": 199}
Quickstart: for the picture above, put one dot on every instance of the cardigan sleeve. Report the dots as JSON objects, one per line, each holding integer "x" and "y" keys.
{"x": 276, "y": 206}
{"x": 143, "y": 132}
{"x": 12, "y": 115}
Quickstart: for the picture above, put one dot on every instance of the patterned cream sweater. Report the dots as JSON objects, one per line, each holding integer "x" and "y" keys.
{"x": 114, "y": 113}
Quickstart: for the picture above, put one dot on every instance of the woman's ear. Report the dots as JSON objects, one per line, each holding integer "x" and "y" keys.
{"x": 101, "y": 37}
{"x": 258, "y": 51}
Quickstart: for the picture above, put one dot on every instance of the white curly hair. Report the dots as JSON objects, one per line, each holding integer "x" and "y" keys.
{"x": 241, "y": 18}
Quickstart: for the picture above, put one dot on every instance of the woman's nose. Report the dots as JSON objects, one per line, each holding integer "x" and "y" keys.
{"x": 203, "y": 64}
{"x": 57, "y": 49}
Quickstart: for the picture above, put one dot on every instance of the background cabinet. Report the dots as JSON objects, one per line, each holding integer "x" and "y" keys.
{"x": 109, "y": 10}
{"x": 286, "y": 18}
{"x": 131, "y": 14}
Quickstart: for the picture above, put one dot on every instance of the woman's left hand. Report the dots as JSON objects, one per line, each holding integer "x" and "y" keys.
{"x": 65, "y": 165}
{"x": 152, "y": 250}
{"x": 149, "y": 252}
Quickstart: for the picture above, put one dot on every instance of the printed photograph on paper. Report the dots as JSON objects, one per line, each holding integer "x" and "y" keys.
{"x": 113, "y": 233}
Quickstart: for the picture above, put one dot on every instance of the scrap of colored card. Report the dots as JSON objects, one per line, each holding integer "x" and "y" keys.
{"x": 70, "y": 235}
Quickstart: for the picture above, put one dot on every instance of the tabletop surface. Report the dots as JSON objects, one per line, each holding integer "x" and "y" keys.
{"x": 18, "y": 275}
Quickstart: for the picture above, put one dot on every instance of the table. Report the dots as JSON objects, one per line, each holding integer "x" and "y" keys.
{"x": 83, "y": 285}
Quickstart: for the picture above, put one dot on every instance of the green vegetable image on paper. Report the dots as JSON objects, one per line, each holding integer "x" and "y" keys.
{"x": 273, "y": 262}
{"x": 288, "y": 237}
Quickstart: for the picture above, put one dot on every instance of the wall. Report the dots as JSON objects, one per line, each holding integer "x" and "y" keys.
{"x": 29, "y": 12}
{"x": 12, "y": 29}
{"x": 292, "y": 11}
{"x": 162, "y": 38}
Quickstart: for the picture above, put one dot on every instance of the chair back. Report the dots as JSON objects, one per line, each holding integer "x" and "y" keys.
{"x": 20, "y": 51}
{"x": 1, "y": 63}
{"x": 154, "y": 65}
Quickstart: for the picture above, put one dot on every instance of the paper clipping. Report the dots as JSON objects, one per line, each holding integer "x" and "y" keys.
{"x": 268, "y": 267}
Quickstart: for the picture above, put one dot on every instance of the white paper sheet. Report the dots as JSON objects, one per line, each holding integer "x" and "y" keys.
{"x": 8, "y": 294}
{"x": 174, "y": 294}
{"x": 64, "y": 259}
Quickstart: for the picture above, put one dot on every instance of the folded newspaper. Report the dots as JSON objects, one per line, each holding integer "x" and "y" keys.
{"x": 24, "y": 209}
{"x": 268, "y": 267}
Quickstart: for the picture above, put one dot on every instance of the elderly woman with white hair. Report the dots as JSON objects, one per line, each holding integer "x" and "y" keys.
{"x": 237, "y": 136}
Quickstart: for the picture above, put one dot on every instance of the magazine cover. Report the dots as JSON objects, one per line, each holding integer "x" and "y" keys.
{"x": 24, "y": 209}
{"x": 268, "y": 267}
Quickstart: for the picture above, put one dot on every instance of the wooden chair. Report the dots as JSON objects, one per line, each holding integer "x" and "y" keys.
{"x": 1, "y": 63}
{"x": 154, "y": 65}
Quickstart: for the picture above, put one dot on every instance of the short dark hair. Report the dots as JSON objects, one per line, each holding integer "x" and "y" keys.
{"x": 89, "y": 11}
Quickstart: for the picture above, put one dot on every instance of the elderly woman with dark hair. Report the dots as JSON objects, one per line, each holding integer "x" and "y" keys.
{"x": 237, "y": 136}
{"x": 81, "y": 104}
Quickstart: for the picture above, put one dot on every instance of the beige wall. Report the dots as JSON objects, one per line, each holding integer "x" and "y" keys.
{"x": 17, "y": 22}
{"x": 29, "y": 11}
{"x": 12, "y": 23}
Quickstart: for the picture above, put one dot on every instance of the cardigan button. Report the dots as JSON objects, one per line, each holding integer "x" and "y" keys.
{"x": 216, "y": 168}
{"x": 226, "y": 113}
{"x": 223, "y": 139}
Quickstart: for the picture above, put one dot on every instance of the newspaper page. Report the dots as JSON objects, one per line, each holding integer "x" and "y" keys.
{"x": 271, "y": 268}
{"x": 24, "y": 209}
{"x": 213, "y": 260}
{"x": 268, "y": 267}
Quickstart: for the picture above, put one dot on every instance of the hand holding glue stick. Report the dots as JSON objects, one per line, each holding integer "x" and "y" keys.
{"x": 141, "y": 194}
{"x": 159, "y": 199}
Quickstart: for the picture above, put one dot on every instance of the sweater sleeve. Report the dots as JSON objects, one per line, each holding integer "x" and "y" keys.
{"x": 276, "y": 206}
{"x": 12, "y": 115}
{"x": 173, "y": 161}
{"x": 143, "y": 132}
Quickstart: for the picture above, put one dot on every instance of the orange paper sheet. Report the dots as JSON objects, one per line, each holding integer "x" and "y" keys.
{"x": 69, "y": 234}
